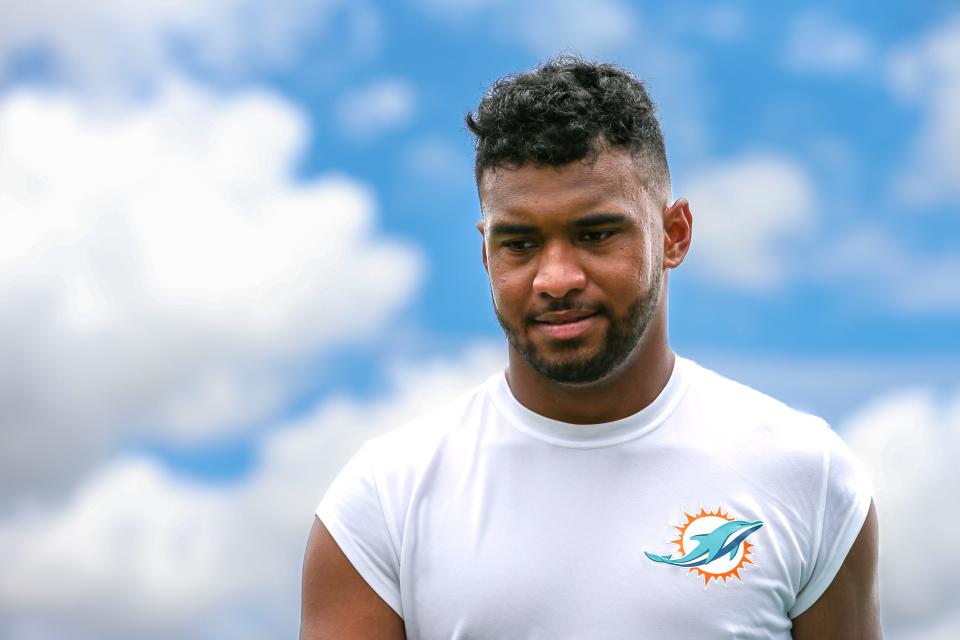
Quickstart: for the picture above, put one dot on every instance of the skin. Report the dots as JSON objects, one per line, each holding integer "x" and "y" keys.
{"x": 549, "y": 238}
{"x": 590, "y": 236}
{"x": 850, "y": 607}
{"x": 337, "y": 603}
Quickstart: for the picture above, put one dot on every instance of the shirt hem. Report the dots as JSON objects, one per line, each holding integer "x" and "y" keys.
{"x": 387, "y": 592}
{"x": 844, "y": 542}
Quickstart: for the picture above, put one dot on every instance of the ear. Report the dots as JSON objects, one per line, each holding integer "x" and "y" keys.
{"x": 483, "y": 245}
{"x": 677, "y": 233}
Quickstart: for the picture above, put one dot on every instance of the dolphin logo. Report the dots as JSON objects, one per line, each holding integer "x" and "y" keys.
{"x": 724, "y": 539}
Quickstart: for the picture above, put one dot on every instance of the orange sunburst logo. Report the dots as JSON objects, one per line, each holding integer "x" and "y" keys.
{"x": 711, "y": 544}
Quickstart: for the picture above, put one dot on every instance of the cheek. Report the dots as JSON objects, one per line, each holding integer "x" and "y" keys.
{"x": 506, "y": 286}
{"x": 512, "y": 292}
{"x": 620, "y": 272}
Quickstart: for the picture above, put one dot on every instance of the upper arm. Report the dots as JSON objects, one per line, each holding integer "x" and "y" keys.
{"x": 850, "y": 607}
{"x": 337, "y": 602}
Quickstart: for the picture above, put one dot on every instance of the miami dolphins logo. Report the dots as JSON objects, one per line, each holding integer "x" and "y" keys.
{"x": 712, "y": 544}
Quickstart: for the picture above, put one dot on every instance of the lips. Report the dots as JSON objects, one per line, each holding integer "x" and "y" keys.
{"x": 566, "y": 325}
{"x": 564, "y": 317}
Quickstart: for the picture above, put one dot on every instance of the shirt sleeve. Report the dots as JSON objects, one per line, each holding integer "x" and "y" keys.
{"x": 844, "y": 503}
{"x": 353, "y": 513}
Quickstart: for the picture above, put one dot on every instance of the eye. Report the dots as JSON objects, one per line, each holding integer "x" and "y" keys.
{"x": 518, "y": 246}
{"x": 596, "y": 236}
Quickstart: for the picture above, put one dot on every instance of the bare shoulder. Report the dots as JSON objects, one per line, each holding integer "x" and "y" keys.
{"x": 850, "y": 607}
{"x": 337, "y": 602}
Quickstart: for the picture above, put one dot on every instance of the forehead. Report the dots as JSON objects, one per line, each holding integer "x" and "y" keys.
{"x": 611, "y": 182}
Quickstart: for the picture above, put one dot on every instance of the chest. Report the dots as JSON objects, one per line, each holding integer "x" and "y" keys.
{"x": 614, "y": 545}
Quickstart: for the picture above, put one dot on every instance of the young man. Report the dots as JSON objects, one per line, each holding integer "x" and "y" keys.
{"x": 600, "y": 487}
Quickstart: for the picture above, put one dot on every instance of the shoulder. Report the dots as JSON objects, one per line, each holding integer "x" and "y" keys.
{"x": 747, "y": 415}
{"x": 766, "y": 438}
{"x": 792, "y": 459}
{"x": 370, "y": 497}
{"x": 796, "y": 451}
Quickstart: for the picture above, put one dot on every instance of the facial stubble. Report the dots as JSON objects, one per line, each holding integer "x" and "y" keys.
{"x": 619, "y": 342}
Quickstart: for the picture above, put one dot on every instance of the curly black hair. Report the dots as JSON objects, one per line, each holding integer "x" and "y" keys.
{"x": 567, "y": 109}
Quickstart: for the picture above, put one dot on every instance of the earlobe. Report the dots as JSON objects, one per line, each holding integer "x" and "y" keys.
{"x": 677, "y": 233}
{"x": 483, "y": 248}
{"x": 483, "y": 243}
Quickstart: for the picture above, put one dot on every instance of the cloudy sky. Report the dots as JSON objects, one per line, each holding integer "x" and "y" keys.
{"x": 236, "y": 240}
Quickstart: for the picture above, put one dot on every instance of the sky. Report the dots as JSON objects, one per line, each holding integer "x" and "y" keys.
{"x": 237, "y": 240}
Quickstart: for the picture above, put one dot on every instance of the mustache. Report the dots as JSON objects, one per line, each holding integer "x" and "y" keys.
{"x": 566, "y": 305}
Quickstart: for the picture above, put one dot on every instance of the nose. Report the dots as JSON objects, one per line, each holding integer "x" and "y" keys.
{"x": 558, "y": 271}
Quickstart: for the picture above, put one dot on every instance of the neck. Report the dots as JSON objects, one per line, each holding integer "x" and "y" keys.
{"x": 623, "y": 393}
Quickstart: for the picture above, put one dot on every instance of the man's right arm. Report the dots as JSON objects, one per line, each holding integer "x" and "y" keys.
{"x": 337, "y": 602}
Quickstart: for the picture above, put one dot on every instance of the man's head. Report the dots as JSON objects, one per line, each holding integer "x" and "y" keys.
{"x": 574, "y": 188}
{"x": 568, "y": 110}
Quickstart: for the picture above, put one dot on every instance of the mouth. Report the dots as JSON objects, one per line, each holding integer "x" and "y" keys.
{"x": 565, "y": 325}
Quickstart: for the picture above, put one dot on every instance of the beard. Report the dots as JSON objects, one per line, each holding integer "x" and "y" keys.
{"x": 619, "y": 341}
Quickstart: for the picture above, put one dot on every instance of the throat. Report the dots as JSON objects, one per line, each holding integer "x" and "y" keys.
{"x": 618, "y": 396}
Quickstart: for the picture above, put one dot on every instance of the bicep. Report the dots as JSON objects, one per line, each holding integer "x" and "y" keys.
{"x": 849, "y": 608}
{"x": 337, "y": 602}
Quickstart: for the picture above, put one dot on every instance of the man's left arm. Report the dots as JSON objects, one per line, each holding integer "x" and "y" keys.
{"x": 850, "y": 607}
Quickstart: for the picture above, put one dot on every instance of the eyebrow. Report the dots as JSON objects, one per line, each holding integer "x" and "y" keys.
{"x": 508, "y": 229}
{"x": 600, "y": 219}
{"x": 593, "y": 220}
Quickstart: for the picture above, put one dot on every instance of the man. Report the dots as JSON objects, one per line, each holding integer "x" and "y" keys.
{"x": 600, "y": 487}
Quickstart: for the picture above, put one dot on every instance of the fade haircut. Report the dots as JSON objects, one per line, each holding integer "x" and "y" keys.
{"x": 564, "y": 110}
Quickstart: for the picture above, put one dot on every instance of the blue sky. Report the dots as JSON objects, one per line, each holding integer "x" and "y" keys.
{"x": 239, "y": 241}
{"x": 746, "y": 79}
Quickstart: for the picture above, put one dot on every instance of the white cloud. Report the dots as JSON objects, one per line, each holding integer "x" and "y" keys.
{"x": 927, "y": 73}
{"x": 910, "y": 443}
{"x": 453, "y": 8}
{"x": 818, "y": 42}
{"x": 744, "y": 212}
{"x": 441, "y": 162}
{"x": 547, "y": 27}
{"x": 376, "y": 108}
{"x": 655, "y": 49}
{"x": 101, "y": 42}
{"x": 161, "y": 268}
{"x": 834, "y": 386}
{"x": 721, "y": 23}
{"x": 881, "y": 265}
{"x": 597, "y": 28}
{"x": 138, "y": 552}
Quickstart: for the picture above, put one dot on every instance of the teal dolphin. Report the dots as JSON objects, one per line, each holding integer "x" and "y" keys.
{"x": 725, "y": 538}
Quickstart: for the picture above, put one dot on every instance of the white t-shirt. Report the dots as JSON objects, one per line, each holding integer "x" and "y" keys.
{"x": 714, "y": 512}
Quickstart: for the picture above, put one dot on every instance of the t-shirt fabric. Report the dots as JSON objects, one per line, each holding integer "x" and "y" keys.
{"x": 716, "y": 511}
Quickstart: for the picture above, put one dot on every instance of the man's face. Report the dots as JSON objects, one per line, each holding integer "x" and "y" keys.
{"x": 575, "y": 260}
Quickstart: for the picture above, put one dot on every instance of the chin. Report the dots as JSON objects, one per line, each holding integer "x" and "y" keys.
{"x": 579, "y": 369}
